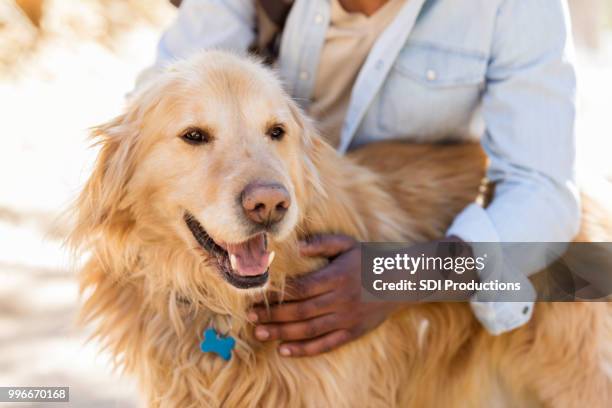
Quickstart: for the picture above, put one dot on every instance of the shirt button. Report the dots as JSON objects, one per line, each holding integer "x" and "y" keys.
{"x": 304, "y": 75}
{"x": 431, "y": 75}
{"x": 318, "y": 19}
{"x": 380, "y": 64}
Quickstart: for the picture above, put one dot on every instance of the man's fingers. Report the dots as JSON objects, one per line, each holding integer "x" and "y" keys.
{"x": 267, "y": 297}
{"x": 306, "y": 286}
{"x": 295, "y": 311}
{"x": 317, "y": 282}
{"x": 314, "y": 283}
{"x": 302, "y": 330}
{"x": 316, "y": 346}
{"x": 294, "y": 292}
{"x": 328, "y": 246}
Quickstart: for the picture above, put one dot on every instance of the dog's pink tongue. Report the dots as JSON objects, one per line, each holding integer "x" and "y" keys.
{"x": 249, "y": 258}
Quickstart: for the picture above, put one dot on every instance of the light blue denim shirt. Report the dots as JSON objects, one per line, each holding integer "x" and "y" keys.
{"x": 440, "y": 69}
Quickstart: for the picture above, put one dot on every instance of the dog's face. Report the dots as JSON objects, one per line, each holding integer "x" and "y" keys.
{"x": 213, "y": 152}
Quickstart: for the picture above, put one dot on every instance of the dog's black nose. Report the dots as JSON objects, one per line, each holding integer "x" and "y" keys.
{"x": 265, "y": 203}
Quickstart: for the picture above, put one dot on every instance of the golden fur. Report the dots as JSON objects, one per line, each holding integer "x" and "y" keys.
{"x": 151, "y": 292}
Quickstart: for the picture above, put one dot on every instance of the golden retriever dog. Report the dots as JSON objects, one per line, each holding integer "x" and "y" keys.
{"x": 201, "y": 191}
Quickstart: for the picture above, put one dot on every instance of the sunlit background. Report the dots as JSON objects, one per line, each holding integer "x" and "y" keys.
{"x": 65, "y": 65}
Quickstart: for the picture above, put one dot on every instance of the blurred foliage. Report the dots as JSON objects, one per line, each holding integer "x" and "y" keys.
{"x": 26, "y": 24}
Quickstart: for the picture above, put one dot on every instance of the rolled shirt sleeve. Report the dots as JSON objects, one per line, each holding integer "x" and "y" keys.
{"x": 529, "y": 111}
{"x": 202, "y": 24}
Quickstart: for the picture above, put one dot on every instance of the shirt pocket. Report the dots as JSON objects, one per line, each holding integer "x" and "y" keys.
{"x": 431, "y": 93}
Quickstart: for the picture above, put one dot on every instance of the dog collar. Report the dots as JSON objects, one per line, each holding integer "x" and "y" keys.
{"x": 215, "y": 343}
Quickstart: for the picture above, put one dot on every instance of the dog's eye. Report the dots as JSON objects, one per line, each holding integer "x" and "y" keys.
{"x": 276, "y": 132}
{"x": 195, "y": 136}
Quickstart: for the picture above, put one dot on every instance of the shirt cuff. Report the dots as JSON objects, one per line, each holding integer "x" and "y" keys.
{"x": 473, "y": 225}
{"x": 501, "y": 317}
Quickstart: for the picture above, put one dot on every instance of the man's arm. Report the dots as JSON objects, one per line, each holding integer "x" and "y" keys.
{"x": 202, "y": 24}
{"x": 529, "y": 111}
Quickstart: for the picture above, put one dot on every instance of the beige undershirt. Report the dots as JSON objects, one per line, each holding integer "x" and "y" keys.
{"x": 348, "y": 41}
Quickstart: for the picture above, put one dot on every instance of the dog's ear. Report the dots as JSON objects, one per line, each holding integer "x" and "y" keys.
{"x": 313, "y": 147}
{"x": 103, "y": 196}
{"x": 103, "y": 202}
{"x": 307, "y": 128}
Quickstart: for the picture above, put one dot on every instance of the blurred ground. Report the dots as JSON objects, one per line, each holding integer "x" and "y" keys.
{"x": 68, "y": 68}
{"x": 56, "y": 82}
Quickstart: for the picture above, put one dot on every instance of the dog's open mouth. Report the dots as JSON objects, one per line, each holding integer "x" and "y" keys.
{"x": 244, "y": 265}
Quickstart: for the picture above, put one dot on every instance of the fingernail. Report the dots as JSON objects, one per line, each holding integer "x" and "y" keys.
{"x": 284, "y": 351}
{"x": 252, "y": 317}
{"x": 261, "y": 333}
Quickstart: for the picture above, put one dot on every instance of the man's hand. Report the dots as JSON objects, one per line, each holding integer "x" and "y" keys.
{"x": 322, "y": 310}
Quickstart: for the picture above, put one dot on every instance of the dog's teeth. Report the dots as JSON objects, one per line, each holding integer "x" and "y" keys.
{"x": 271, "y": 258}
{"x": 233, "y": 261}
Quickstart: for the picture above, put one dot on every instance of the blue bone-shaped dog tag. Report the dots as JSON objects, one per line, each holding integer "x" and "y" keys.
{"x": 214, "y": 343}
